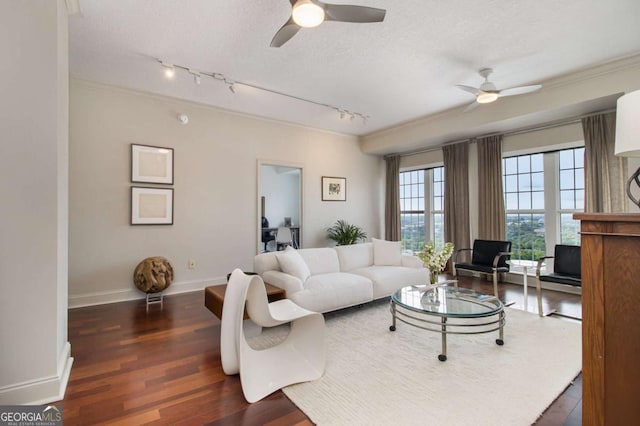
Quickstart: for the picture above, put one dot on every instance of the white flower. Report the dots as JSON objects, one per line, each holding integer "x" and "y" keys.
{"x": 434, "y": 260}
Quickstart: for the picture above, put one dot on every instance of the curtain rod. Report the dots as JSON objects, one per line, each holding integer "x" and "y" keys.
{"x": 519, "y": 131}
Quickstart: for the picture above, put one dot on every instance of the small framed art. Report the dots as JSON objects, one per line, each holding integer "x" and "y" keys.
{"x": 334, "y": 188}
{"x": 151, "y": 164}
{"x": 151, "y": 206}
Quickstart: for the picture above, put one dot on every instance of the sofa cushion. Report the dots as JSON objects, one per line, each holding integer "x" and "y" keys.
{"x": 320, "y": 260}
{"x": 355, "y": 256}
{"x": 387, "y": 279}
{"x": 336, "y": 290}
{"x": 292, "y": 263}
{"x": 386, "y": 253}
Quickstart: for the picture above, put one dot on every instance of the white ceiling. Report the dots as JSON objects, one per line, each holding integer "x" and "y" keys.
{"x": 395, "y": 71}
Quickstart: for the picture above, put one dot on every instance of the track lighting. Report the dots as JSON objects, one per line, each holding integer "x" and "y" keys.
{"x": 170, "y": 71}
{"x": 196, "y": 76}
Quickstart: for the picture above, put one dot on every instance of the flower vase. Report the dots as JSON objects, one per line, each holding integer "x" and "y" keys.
{"x": 434, "y": 276}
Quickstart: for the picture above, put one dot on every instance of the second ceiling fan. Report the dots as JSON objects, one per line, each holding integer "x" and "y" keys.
{"x": 487, "y": 92}
{"x": 311, "y": 13}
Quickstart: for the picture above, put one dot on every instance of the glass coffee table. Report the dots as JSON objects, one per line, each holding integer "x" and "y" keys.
{"x": 447, "y": 309}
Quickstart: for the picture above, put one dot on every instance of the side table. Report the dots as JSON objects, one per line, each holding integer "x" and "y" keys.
{"x": 214, "y": 297}
{"x": 524, "y": 267}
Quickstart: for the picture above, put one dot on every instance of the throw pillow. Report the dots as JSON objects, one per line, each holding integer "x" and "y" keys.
{"x": 293, "y": 264}
{"x": 386, "y": 253}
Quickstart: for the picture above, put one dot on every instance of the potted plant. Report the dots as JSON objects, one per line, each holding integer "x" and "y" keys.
{"x": 345, "y": 234}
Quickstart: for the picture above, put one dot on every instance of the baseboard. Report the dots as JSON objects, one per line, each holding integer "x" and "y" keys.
{"x": 41, "y": 391}
{"x": 123, "y": 295}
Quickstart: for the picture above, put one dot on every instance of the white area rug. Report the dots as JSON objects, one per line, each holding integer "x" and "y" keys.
{"x": 378, "y": 377}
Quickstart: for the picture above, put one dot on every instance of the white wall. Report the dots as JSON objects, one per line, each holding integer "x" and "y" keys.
{"x": 215, "y": 192}
{"x": 33, "y": 232}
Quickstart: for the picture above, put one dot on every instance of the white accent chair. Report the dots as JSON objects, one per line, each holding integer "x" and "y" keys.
{"x": 299, "y": 358}
{"x": 284, "y": 238}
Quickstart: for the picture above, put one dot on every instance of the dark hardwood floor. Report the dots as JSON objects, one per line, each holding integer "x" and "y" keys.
{"x": 163, "y": 367}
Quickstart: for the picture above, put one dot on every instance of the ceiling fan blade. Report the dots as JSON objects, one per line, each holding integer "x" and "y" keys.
{"x": 471, "y": 106}
{"x": 284, "y": 34}
{"x": 350, "y": 13}
{"x": 473, "y": 90}
{"x": 519, "y": 90}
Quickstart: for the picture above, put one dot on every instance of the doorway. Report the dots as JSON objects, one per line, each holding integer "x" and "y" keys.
{"x": 279, "y": 203}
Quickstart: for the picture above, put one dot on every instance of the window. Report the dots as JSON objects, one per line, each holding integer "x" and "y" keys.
{"x": 421, "y": 208}
{"x": 437, "y": 207}
{"x": 541, "y": 193}
{"x": 571, "y": 180}
{"x": 523, "y": 183}
{"x": 412, "y": 210}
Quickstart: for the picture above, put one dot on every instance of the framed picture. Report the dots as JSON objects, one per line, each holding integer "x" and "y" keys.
{"x": 151, "y": 164}
{"x": 334, "y": 188}
{"x": 151, "y": 206}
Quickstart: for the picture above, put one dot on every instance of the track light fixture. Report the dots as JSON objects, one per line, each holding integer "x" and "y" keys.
{"x": 169, "y": 71}
{"x": 196, "y": 76}
{"x": 352, "y": 115}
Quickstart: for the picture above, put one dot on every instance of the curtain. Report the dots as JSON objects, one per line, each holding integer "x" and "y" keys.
{"x": 392, "y": 199}
{"x": 605, "y": 174}
{"x": 456, "y": 195}
{"x": 491, "y": 214}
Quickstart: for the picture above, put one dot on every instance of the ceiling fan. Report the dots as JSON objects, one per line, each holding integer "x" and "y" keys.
{"x": 488, "y": 93}
{"x": 311, "y": 13}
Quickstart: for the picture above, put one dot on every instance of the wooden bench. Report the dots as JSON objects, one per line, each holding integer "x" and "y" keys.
{"x": 214, "y": 297}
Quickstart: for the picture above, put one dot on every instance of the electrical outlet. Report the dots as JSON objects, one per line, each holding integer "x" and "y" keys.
{"x": 192, "y": 264}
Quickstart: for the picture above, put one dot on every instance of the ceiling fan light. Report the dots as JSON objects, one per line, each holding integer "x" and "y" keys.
{"x": 307, "y": 14}
{"x": 486, "y": 97}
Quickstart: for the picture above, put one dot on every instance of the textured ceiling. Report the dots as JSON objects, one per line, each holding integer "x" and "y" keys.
{"x": 395, "y": 71}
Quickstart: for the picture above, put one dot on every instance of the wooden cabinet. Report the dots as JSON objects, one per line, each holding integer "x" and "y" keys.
{"x": 610, "y": 318}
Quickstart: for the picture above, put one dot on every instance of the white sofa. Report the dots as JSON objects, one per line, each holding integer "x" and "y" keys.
{"x": 326, "y": 279}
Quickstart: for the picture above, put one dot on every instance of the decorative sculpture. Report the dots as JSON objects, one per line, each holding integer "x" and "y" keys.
{"x": 153, "y": 274}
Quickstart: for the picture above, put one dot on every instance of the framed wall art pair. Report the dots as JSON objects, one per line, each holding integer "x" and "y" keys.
{"x": 151, "y": 205}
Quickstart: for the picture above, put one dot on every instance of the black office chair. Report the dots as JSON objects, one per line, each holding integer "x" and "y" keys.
{"x": 488, "y": 257}
{"x": 567, "y": 270}
{"x": 266, "y": 235}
